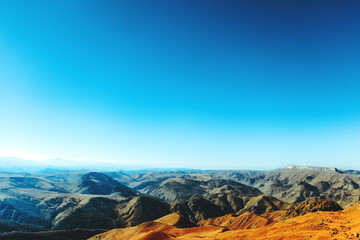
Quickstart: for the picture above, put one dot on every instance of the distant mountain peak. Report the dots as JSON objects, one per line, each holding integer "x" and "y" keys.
{"x": 323, "y": 169}
{"x": 326, "y": 169}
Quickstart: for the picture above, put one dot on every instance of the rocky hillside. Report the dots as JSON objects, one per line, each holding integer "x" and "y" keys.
{"x": 106, "y": 213}
{"x": 175, "y": 189}
{"x": 312, "y": 206}
{"x": 294, "y": 184}
{"x": 101, "y": 184}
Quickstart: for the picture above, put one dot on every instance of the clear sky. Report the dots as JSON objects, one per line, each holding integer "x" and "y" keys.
{"x": 254, "y": 84}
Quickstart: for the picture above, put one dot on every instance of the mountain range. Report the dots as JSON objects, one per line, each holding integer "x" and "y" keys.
{"x": 58, "y": 202}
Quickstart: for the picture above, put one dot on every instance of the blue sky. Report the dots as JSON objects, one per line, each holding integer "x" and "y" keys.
{"x": 196, "y": 84}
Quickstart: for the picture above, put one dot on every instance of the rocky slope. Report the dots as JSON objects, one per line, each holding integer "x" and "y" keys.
{"x": 106, "y": 213}
{"x": 296, "y": 183}
{"x": 101, "y": 184}
{"x": 175, "y": 189}
{"x": 312, "y": 206}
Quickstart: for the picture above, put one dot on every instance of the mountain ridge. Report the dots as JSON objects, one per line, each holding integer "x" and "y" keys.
{"x": 66, "y": 200}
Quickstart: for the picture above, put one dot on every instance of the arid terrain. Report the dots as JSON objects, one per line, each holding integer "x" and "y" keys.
{"x": 288, "y": 203}
{"x": 314, "y": 225}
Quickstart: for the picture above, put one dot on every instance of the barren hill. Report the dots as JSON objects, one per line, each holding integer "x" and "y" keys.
{"x": 320, "y": 225}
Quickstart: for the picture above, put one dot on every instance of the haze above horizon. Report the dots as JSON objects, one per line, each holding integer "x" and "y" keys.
{"x": 181, "y": 84}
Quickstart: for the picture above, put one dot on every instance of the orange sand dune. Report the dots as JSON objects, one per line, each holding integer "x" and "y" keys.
{"x": 319, "y": 225}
